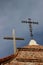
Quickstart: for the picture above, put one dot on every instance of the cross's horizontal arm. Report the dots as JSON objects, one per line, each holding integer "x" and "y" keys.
{"x": 11, "y": 38}
{"x": 29, "y": 22}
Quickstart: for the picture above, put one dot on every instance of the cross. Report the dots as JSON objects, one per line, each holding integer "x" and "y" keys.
{"x": 30, "y": 26}
{"x": 14, "y": 39}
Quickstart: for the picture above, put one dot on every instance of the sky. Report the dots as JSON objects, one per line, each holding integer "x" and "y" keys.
{"x": 12, "y": 12}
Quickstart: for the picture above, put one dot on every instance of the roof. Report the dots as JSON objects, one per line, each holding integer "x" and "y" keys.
{"x": 28, "y": 56}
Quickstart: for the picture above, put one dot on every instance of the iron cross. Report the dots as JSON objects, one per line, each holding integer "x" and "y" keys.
{"x": 30, "y": 25}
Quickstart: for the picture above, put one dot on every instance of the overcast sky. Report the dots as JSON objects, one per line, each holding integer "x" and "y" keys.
{"x": 12, "y": 12}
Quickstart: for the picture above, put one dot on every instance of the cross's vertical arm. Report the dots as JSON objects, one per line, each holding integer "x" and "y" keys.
{"x": 30, "y": 28}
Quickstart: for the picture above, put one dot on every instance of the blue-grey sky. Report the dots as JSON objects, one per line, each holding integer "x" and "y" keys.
{"x": 12, "y": 12}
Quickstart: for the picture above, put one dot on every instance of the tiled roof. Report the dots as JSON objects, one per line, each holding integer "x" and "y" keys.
{"x": 27, "y": 56}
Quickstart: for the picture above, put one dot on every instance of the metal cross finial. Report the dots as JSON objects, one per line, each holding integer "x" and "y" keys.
{"x": 30, "y": 25}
